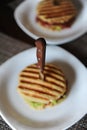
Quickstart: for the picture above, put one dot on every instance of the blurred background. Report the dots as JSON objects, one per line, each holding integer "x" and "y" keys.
{"x": 7, "y": 22}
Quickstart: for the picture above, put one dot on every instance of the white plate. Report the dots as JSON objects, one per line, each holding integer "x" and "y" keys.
{"x": 25, "y": 15}
{"x": 18, "y": 114}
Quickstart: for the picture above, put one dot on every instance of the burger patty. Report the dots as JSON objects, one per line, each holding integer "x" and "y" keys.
{"x": 54, "y": 26}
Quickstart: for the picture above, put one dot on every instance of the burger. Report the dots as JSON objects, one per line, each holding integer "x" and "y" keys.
{"x": 38, "y": 93}
{"x": 56, "y": 14}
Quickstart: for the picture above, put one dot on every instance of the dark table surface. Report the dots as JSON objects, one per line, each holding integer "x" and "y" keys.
{"x": 11, "y": 34}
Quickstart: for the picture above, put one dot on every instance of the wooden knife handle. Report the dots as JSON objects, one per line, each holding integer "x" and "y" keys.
{"x": 41, "y": 48}
{"x": 56, "y": 2}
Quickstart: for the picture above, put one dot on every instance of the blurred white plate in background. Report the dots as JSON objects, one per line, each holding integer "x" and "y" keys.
{"x": 25, "y": 15}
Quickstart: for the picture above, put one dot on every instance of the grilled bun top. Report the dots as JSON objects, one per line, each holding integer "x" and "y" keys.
{"x": 53, "y": 87}
{"x": 61, "y": 13}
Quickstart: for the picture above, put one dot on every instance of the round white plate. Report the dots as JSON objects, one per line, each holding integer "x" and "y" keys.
{"x": 25, "y": 15}
{"x": 18, "y": 114}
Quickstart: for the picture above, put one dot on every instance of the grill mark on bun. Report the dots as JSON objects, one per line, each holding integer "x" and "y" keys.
{"x": 58, "y": 84}
{"x": 30, "y": 71}
{"x": 65, "y": 12}
{"x": 63, "y": 3}
{"x": 55, "y": 10}
{"x": 41, "y": 87}
{"x": 50, "y": 73}
{"x": 38, "y": 97}
{"x": 57, "y": 75}
{"x": 46, "y": 85}
{"x": 53, "y": 69}
{"x": 27, "y": 76}
{"x": 60, "y": 14}
{"x": 39, "y": 94}
{"x": 39, "y": 91}
{"x": 53, "y": 87}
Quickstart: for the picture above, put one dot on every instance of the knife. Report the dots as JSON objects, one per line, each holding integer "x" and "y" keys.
{"x": 41, "y": 51}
